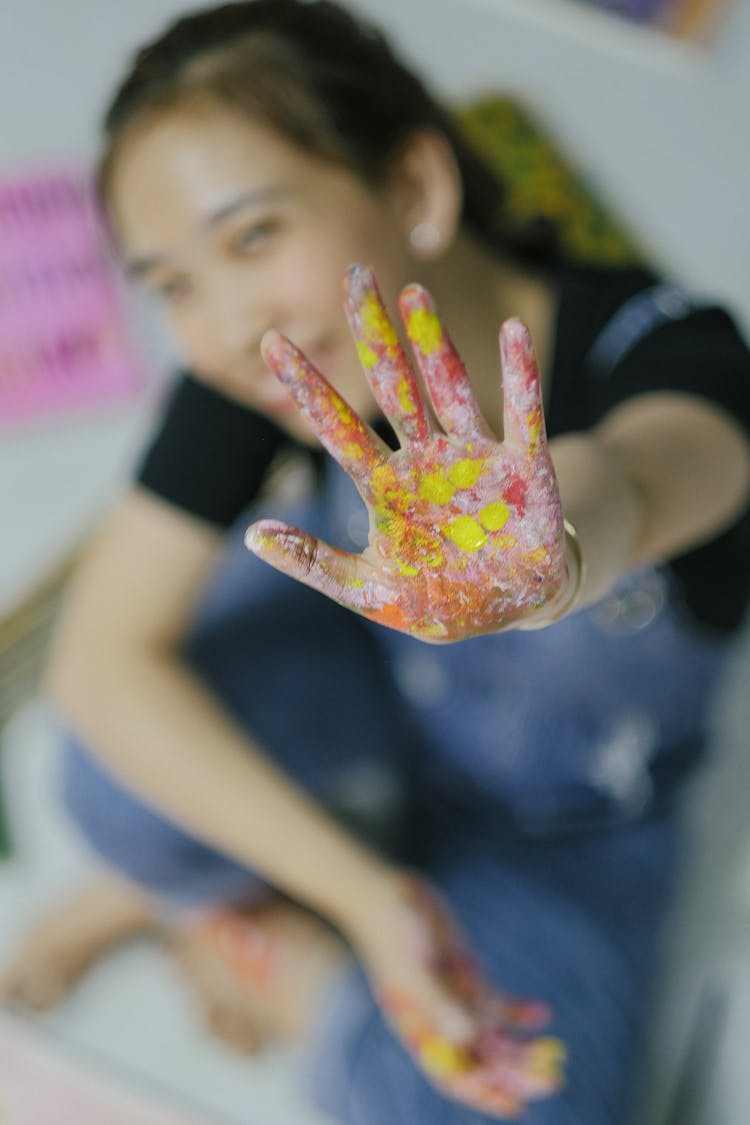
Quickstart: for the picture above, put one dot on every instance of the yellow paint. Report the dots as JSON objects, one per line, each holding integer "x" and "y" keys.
{"x": 443, "y": 1058}
{"x": 547, "y": 1046}
{"x": 397, "y": 529}
{"x": 494, "y": 516}
{"x": 405, "y": 397}
{"x": 464, "y": 474}
{"x": 367, "y": 357}
{"x": 407, "y": 569}
{"x": 504, "y": 541}
{"x": 546, "y": 1057}
{"x": 435, "y": 560}
{"x": 433, "y": 629}
{"x": 539, "y": 554}
{"x": 376, "y": 323}
{"x": 534, "y": 423}
{"x": 342, "y": 410}
{"x": 383, "y": 476}
{"x": 466, "y": 534}
{"x": 352, "y": 450}
{"x": 435, "y": 488}
{"x": 400, "y": 500}
{"x": 425, "y": 330}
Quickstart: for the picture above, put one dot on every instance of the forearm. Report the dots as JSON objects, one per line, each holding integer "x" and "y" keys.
{"x": 156, "y": 727}
{"x": 662, "y": 474}
{"x": 606, "y": 508}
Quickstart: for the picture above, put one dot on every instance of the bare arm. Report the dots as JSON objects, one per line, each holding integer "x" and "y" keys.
{"x": 661, "y": 474}
{"x": 467, "y": 533}
{"x": 117, "y": 676}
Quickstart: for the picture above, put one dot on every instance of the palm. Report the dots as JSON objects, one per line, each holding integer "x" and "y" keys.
{"x": 466, "y": 533}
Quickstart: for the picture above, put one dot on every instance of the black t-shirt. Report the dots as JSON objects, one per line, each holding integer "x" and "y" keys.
{"x": 618, "y": 333}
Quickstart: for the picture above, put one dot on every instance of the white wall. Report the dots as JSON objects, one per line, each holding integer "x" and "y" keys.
{"x": 663, "y": 131}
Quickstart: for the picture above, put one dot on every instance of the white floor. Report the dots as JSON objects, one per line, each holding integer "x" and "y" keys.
{"x": 131, "y": 1020}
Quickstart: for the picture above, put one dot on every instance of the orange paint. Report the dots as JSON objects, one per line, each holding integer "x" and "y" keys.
{"x": 392, "y": 616}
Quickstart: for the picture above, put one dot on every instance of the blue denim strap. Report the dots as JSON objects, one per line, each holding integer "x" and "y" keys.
{"x": 637, "y": 318}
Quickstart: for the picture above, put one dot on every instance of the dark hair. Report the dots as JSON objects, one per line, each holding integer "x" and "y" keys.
{"x": 326, "y": 81}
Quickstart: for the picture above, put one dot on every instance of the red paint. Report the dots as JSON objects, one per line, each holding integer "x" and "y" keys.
{"x": 515, "y": 492}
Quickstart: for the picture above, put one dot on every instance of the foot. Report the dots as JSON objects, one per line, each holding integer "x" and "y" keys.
{"x": 261, "y": 971}
{"x": 58, "y": 948}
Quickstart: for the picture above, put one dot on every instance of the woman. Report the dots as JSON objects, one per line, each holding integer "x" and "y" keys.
{"x": 225, "y": 716}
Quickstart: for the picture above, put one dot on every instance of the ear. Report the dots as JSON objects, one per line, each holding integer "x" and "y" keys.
{"x": 427, "y": 192}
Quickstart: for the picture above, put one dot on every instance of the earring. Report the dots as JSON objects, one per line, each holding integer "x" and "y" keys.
{"x": 425, "y": 238}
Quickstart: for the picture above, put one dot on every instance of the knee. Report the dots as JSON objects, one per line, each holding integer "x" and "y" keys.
{"x": 84, "y": 790}
{"x": 121, "y": 831}
{"x": 134, "y": 840}
{"x": 362, "y": 1074}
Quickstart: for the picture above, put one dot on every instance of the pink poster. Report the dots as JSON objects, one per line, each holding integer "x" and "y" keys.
{"x": 63, "y": 336}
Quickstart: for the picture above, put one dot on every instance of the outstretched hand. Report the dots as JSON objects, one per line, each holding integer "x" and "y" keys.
{"x": 466, "y": 532}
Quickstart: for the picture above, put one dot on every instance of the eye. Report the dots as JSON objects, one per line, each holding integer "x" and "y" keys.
{"x": 252, "y": 237}
{"x": 173, "y": 289}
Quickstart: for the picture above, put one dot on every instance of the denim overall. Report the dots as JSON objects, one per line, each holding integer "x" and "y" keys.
{"x": 531, "y": 775}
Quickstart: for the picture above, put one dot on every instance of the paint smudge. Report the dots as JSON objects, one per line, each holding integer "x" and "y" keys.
{"x": 504, "y": 1063}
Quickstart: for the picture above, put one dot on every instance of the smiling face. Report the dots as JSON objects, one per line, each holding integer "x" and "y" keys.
{"x": 236, "y": 231}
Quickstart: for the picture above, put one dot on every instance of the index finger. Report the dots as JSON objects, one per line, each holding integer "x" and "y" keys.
{"x": 351, "y": 442}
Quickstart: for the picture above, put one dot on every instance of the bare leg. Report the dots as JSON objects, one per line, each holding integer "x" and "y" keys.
{"x": 258, "y": 972}
{"x": 61, "y": 945}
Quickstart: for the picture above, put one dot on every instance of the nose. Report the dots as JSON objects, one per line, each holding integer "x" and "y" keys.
{"x": 240, "y": 314}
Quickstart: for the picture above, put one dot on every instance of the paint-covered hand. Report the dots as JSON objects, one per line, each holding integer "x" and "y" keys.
{"x": 466, "y": 532}
{"x": 473, "y": 1043}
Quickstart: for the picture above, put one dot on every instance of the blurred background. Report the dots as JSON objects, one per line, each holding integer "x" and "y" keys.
{"x": 647, "y": 103}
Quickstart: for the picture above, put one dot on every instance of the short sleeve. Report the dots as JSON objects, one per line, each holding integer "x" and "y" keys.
{"x": 702, "y": 354}
{"x": 624, "y": 333}
{"x": 208, "y": 454}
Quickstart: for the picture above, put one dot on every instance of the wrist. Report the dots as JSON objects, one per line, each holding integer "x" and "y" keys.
{"x": 358, "y": 913}
{"x": 569, "y": 597}
{"x": 576, "y": 566}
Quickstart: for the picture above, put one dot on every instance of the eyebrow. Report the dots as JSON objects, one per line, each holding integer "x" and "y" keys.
{"x": 137, "y": 267}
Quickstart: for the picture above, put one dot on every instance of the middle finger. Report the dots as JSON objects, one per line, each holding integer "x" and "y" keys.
{"x": 388, "y": 371}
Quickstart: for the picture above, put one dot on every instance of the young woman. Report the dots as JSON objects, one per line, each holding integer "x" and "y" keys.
{"x": 228, "y": 721}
